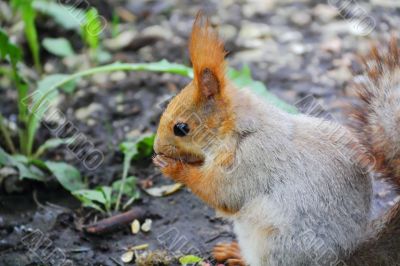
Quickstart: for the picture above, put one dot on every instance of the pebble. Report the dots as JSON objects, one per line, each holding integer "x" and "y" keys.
{"x": 122, "y": 40}
{"x": 227, "y": 31}
{"x": 325, "y": 13}
{"x": 301, "y": 19}
{"x": 85, "y": 112}
{"x": 332, "y": 45}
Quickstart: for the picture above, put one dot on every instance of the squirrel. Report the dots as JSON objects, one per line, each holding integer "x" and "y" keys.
{"x": 297, "y": 188}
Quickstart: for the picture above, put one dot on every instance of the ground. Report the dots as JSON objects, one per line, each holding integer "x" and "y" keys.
{"x": 297, "y": 48}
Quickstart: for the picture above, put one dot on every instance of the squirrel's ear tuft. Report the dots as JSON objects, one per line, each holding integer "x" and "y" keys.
{"x": 207, "y": 55}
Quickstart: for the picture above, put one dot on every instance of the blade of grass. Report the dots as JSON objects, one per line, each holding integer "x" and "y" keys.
{"x": 6, "y": 135}
{"x": 10, "y": 51}
{"x": 28, "y": 16}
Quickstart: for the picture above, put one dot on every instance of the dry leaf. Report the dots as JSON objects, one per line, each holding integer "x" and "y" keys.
{"x": 164, "y": 190}
{"x": 135, "y": 227}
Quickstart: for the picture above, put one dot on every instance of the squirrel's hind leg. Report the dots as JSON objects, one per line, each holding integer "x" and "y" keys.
{"x": 229, "y": 253}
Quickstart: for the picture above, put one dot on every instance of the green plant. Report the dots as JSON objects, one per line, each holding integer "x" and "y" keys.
{"x": 28, "y": 15}
{"x": 28, "y": 164}
{"x": 91, "y": 30}
{"x": 103, "y": 198}
{"x": 141, "y": 147}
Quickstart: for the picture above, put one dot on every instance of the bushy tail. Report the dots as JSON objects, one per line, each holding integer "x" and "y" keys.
{"x": 377, "y": 118}
{"x": 377, "y": 125}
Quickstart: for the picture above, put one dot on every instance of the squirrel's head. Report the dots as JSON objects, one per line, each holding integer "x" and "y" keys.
{"x": 196, "y": 120}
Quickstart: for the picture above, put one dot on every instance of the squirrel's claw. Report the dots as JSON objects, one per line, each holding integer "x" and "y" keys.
{"x": 228, "y": 253}
{"x": 160, "y": 161}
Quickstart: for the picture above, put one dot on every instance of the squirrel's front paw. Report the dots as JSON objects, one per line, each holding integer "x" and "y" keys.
{"x": 169, "y": 167}
{"x": 229, "y": 254}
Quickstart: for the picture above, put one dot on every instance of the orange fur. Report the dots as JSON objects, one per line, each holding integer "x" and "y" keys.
{"x": 211, "y": 128}
{"x": 206, "y": 52}
{"x": 202, "y": 183}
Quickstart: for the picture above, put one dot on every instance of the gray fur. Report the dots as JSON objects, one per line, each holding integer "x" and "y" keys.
{"x": 296, "y": 175}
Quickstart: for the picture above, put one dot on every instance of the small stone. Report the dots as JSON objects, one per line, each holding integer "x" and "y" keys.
{"x": 253, "y": 35}
{"x": 158, "y": 31}
{"x": 118, "y": 76}
{"x": 228, "y": 32}
{"x": 332, "y": 45}
{"x": 85, "y": 112}
{"x": 301, "y": 18}
{"x": 122, "y": 40}
{"x": 341, "y": 74}
{"x": 247, "y": 56}
{"x": 298, "y": 48}
{"x": 325, "y": 13}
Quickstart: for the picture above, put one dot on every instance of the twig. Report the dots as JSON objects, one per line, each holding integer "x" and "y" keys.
{"x": 112, "y": 223}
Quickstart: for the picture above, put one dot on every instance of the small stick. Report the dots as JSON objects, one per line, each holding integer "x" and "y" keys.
{"x": 112, "y": 223}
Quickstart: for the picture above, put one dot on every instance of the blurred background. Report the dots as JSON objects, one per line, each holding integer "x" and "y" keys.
{"x": 77, "y": 127}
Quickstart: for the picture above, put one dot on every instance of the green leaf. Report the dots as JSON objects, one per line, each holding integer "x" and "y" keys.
{"x": 95, "y": 198}
{"x": 67, "y": 16}
{"x": 68, "y": 176}
{"x": 51, "y": 144}
{"x": 22, "y": 164}
{"x": 8, "y": 50}
{"x": 142, "y": 147}
{"x": 58, "y": 46}
{"x": 43, "y": 89}
{"x": 107, "y": 192}
{"x": 242, "y": 79}
{"x": 43, "y": 98}
{"x": 145, "y": 146}
{"x": 89, "y": 197}
{"x": 92, "y": 29}
{"x": 129, "y": 190}
{"x": 190, "y": 259}
{"x": 28, "y": 16}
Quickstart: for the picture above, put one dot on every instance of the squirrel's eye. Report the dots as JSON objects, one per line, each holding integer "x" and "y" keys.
{"x": 181, "y": 129}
